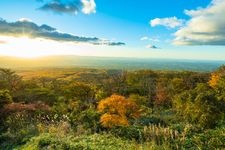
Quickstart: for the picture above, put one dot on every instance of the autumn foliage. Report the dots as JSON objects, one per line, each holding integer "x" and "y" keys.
{"x": 214, "y": 79}
{"x": 216, "y": 76}
{"x": 116, "y": 111}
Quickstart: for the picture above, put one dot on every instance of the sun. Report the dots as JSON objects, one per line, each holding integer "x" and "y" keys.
{"x": 27, "y": 47}
{"x": 20, "y": 47}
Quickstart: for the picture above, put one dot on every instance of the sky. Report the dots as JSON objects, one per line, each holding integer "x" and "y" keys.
{"x": 178, "y": 29}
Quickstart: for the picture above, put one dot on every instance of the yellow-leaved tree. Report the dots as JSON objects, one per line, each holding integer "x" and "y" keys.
{"x": 216, "y": 76}
{"x": 116, "y": 110}
{"x": 214, "y": 79}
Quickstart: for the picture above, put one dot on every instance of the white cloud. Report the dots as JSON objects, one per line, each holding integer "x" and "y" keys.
{"x": 206, "y": 26}
{"x": 89, "y": 6}
{"x": 146, "y": 38}
{"x": 25, "y": 20}
{"x": 151, "y": 46}
{"x": 72, "y": 7}
{"x": 171, "y": 22}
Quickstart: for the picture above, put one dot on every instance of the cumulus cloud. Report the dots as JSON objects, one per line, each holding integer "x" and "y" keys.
{"x": 30, "y": 29}
{"x": 58, "y": 6}
{"x": 89, "y": 6}
{"x": 206, "y": 26}
{"x": 70, "y": 6}
{"x": 152, "y": 46}
{"x": 171, "y": 22}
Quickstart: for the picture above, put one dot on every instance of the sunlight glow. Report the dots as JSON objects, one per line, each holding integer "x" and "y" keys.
{"x": 26, "y": 47}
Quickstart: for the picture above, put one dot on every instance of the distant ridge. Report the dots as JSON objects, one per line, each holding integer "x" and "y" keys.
{"x": 108, "y": 63}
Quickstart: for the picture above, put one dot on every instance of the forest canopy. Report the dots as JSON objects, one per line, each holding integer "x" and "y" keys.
{"x": 143, "y": 108}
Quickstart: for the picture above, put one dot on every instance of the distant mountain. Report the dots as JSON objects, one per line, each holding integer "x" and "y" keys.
{"x": 109, "y": 63}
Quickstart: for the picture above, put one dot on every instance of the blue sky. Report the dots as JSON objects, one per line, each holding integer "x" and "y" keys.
{"x": 123, "y": 28}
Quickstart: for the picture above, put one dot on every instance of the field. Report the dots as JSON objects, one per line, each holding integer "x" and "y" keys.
{"x": 122, "y": 63}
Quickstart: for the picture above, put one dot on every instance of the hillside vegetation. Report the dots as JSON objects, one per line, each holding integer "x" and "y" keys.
{"x": 101, "y": 109}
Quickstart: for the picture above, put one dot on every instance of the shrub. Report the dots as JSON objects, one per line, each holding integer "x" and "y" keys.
{"x": 209, "y": 139}
{"x": 69, "y": 142}
{"x": 131, "y": 132}
{"x": 5, "y": 98}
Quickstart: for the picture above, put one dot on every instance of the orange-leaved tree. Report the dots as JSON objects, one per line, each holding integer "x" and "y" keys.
{"x": 214, "y": 79}
{"x": 116, "y": 110}
{"x": 216, "y": 76}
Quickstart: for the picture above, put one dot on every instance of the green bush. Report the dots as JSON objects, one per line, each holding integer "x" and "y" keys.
{"x": 147, "y": 120}
{"x": 5, "y": 98}
{"x": 208, "y": 140}
{"x": 70, "y": 142}
{"x": 200, "y": 106}
{"x": 130, "y": 132}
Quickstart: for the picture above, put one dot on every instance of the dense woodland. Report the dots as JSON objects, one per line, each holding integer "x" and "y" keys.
{"x": 96, "y": 109}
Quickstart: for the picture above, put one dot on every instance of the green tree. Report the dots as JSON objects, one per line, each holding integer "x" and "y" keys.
{"x": 9, "y": 80}
{"x": 5, "y": 98}
{"x": 200, "y": 106}
{"x": 39, "y": 94}
{"x": 177, "y": 86}
{"x": 79, "y": 91}
{"x": 139, "y": 100}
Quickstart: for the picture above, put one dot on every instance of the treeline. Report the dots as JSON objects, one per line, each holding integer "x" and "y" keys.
{"x": 158, "y": 109}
